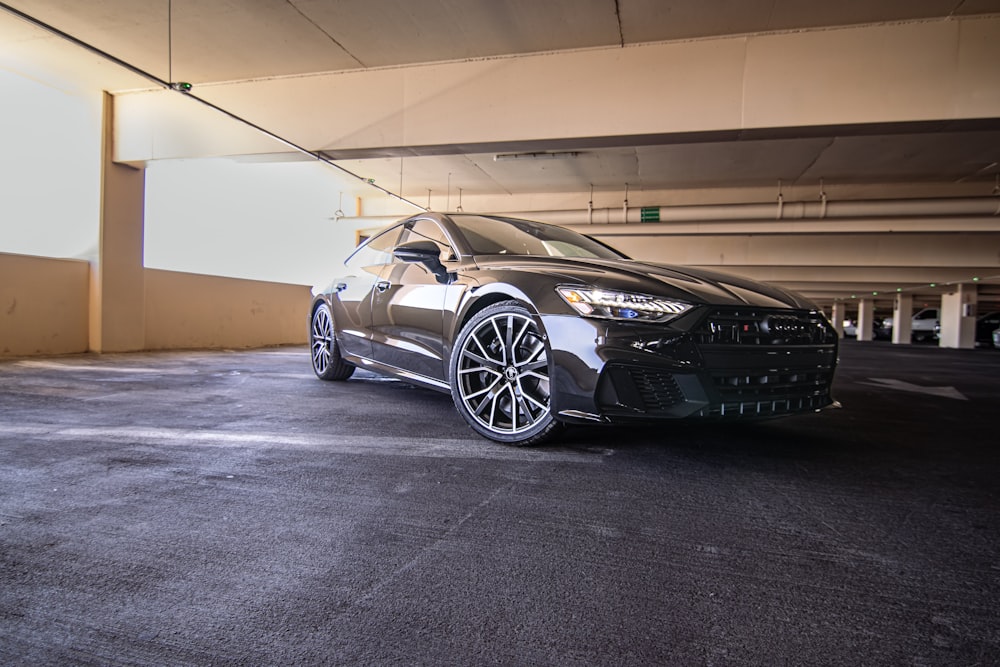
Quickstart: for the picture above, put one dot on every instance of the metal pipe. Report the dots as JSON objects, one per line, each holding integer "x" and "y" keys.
{"x": 818, "y": 210}
{"x": 980, "y": 224}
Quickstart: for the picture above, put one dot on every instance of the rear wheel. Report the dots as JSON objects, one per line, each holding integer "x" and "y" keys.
{"x": 326, "y": 360}
{"x": 500, "y": 376}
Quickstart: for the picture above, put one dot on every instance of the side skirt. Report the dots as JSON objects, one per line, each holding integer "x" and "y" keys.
{"x": 399, "y": 373}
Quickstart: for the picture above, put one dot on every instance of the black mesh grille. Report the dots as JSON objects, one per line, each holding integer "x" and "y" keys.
{"x": 764, "y": 327}
{"x": 735, "y": 363}
{"x": 639, "y": 390}
{"x": 766, "y": 363}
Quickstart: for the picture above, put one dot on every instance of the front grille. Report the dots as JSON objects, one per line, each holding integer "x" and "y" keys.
{"x": 763, "y": 327}
{"x": 736, "y": 363}
{"x": 765, "y": 363}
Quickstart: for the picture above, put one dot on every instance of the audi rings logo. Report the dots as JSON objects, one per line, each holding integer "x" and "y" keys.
{"x": 780, "y": 326}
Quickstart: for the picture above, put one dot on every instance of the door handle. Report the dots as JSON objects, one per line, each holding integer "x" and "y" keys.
{"x": 382, "y": 286}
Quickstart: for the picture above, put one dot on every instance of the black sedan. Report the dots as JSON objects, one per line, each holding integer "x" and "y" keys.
{"x": 530, "y": 326}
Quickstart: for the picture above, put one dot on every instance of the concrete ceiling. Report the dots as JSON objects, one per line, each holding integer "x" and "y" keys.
{"x": 237, "y": 40}
{"x": 226, "y": 40}
{"x": 911, "y": 158}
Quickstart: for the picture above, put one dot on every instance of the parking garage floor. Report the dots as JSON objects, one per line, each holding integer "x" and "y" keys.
{"x": 227, "y": 508}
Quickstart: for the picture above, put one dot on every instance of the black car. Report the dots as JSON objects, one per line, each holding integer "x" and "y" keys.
{"x": 985, "y": 326}
{"x": 530, "y": 326}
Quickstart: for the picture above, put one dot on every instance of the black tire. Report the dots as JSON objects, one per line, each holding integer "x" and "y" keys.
{"x": 499, "y": 373}
{"x": 324, "y": 351}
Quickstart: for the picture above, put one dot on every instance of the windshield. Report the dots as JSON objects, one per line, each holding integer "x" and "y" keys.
{"x": 507, "y": 236}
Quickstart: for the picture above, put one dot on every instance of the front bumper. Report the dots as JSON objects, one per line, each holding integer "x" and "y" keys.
{"x": 711, "y": 365}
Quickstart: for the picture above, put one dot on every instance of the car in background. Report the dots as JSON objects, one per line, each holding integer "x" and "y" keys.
{"x": 532, "y": 326}
{"x": 986, "y": 326}
{"x": 879, "y": 332}
{"x": 883, "y": 329}
{"x": 926, "y": 325}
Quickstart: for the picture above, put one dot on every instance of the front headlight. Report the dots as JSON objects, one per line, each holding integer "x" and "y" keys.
{"x": 614, "y": 305}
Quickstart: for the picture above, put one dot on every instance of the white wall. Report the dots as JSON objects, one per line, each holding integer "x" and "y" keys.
{"x": 50, "y": 150}
{"x": 255, "y": 220}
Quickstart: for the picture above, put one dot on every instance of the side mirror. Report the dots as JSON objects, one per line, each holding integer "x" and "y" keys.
{"x": 422, "y": 252}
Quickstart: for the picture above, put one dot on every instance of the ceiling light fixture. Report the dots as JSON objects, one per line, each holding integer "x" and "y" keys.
{"x": 545, "y": 155}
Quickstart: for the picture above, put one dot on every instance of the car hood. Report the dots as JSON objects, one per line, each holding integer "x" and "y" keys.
{"x": 685, "y": 283}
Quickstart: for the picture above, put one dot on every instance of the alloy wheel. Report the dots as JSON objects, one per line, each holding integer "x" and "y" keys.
{"x": 322, "y": 340}
{"x": 503, "y": 374}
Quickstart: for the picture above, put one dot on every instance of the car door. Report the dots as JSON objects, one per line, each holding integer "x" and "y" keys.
{"x": 408, "y": 307}
{"x": 353, "y": 293}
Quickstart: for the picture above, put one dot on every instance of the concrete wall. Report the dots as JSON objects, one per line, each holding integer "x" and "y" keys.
{"x": 43, "y": 305}
{"x": 44, "y": 309}
{"x": 185, "y": 310}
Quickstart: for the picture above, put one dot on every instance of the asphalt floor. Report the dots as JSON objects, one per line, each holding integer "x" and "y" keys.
{"x": 227, "y": 508}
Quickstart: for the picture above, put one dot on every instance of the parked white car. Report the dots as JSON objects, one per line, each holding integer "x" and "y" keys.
{"x": 926, "y": 325}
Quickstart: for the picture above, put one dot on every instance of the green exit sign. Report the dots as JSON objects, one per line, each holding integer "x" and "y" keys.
{"x": 650, "y": 214}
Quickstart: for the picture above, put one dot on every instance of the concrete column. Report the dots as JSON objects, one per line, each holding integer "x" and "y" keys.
{"x": 866, "y": 319}
{"x": 837, "y": 317}
{"x": 958, "y": 317}
{"x": 117, "y": 285}
{"x": 902, "y": 319}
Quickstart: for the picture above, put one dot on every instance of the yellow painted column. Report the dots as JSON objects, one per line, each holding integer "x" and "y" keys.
{"x": 117, "y": 284}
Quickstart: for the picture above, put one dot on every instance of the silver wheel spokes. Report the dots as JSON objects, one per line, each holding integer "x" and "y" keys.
{"x": 503, "y": 374}
{"x": 322, "y": 338}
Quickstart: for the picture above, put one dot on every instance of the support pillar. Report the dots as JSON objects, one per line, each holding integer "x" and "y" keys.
{"x": 902, "y": 319}
{"x": 958, "y": 317}
{"x": 866, "y": 319}
{"x": 837, "y": 318}
{"x": 117, "y": 284}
